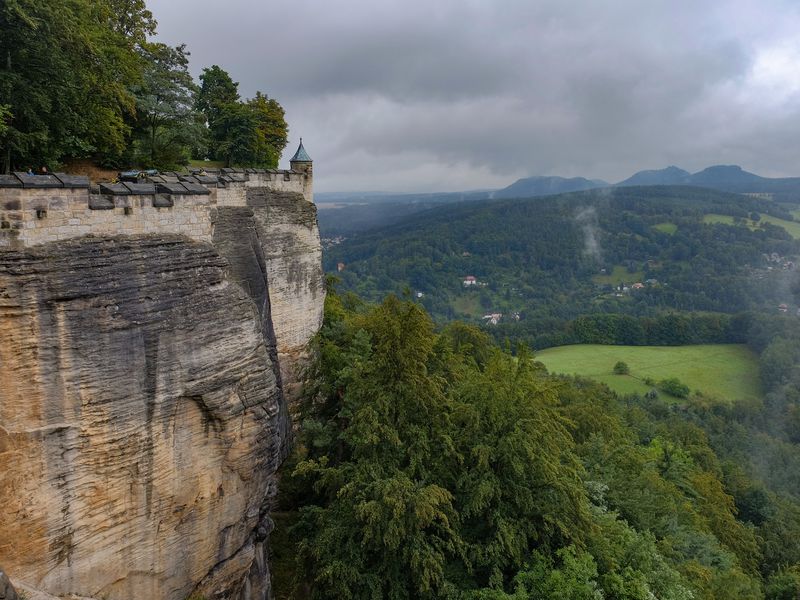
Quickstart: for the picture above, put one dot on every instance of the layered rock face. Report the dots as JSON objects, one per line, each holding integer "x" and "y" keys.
{"x": 293, "y": 256}
{"x": 142, "y": 410}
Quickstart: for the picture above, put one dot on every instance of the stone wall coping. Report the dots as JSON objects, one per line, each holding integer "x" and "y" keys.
{"x": 208, "y": 177}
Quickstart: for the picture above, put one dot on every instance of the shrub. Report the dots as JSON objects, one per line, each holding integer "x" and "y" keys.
{"x": 674, "y": 387}
{"x": 621, "y": 368}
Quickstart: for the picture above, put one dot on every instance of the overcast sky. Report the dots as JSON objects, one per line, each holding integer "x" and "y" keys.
{"x": 437, "y": 95}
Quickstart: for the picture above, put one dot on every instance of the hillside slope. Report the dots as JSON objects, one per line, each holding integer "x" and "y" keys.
{"x": 545, "y": 262}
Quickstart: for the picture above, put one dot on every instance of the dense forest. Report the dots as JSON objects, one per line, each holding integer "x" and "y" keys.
{"x": 431, "y": 464}
{"x": 606, "y": 266}
{"x": 123, "y": 99}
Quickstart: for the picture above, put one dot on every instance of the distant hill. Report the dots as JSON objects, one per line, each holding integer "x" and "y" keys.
{"x": 726, "y": 175}
{"x": 547, "y": 186}
{"x": 724, "y": 178}
{"x": 668, "y": 176}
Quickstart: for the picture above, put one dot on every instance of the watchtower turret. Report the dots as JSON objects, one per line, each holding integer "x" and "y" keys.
{"x": 302, "y": 162}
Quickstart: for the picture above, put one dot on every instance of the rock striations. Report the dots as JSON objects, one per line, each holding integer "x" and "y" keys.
{"x": 142, "y": 410}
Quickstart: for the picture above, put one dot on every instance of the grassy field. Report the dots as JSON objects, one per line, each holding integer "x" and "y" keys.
{"x": 792, "y": 227}
{"x": 728, "y": 371}
{"x": 617, "y": 276}
{"x": 468, "y": 304}
{"x": 666, "y": 227}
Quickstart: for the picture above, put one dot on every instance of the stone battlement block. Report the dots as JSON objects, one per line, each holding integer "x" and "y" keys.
{"x": 115, "y": 189}
{"x": 73, "y": 181}
{"x": 196, "y": 188}
{"x": 164, "y": 178}
{"x": 235, "y": 177}
{"x": 171, "y": 188}
{"x": 9, "y": 181}
{"x": 207, "y": 179}
{"x": 38, "y": 181}
{"x": 147, "y": 189}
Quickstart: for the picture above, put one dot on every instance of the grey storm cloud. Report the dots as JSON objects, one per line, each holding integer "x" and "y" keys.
{"x": 454, "y": 95}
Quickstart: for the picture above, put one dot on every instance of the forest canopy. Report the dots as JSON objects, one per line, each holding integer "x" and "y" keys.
{"x": 85, "y": 79}
{"x": 431, "y": 464}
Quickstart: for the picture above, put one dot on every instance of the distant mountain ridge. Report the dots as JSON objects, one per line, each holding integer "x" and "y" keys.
{"x": 725, "y": 178}
{"x": 360, "y": 211}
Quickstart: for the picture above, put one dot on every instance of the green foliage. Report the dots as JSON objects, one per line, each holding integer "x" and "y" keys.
{"x": 167, "y": 128}
{"x": 674, "y": 387}
{"x": 573, "y": 578}
{"x": 131, "y": 19}
{"x": 784, "y": 585}
{"x": 621, "y": 368}
{"x": 5, "y": 117}
{"x": 217, "y": 90}
{"x": 428, "y": 472}
{"x": 434, "y": 465}
{"x": 271, "y": 130}
{"x": 82, "y": 79}
{"x": 251, "y": 133}
{"x": 65, "y": 68}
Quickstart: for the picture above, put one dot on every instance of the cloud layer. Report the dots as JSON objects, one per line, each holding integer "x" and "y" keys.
{"x": 466, "y": 94}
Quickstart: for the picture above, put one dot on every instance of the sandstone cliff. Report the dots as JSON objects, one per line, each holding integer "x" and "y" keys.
{"x": 142, "y": 413}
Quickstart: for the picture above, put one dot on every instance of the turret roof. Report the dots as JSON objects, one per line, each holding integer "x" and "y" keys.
{"x": 301, "y": 155}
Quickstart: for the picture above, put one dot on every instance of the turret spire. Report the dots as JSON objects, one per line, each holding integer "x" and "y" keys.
{"x": 301, "y": 155}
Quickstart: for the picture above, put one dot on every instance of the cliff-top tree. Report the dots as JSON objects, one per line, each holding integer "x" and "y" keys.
{"x": 271, "y": 129}
{"x": 65, "y": 68}
{"x": 167, "y": 126}
{"x": 252, "y": 133}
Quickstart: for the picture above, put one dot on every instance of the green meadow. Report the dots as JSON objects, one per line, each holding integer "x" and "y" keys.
{"x": 728, "y": 371}
{"x": 792, "y": 227}
{"x": 619, "y": 275}
{"x": 666, "y": 227}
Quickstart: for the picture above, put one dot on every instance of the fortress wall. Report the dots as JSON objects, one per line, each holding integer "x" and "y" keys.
{"x": 283, "y": 181}
{"x": 230, "y": 196}
{"x": 32, "y": 216}
{"x": 69, "y": 215}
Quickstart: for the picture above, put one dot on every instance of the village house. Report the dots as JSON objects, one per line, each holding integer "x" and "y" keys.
{"x": 470, "y": 280}
{"x": 493, "y": 318}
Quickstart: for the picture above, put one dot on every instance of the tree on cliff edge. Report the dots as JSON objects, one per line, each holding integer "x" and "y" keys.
{"x": 251, "y": 133}
{"x": 167, "y": 127}
{"x": 65, "y": 68}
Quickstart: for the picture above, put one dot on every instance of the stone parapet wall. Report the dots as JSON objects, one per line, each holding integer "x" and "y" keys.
{"x": 41, "y": 209}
